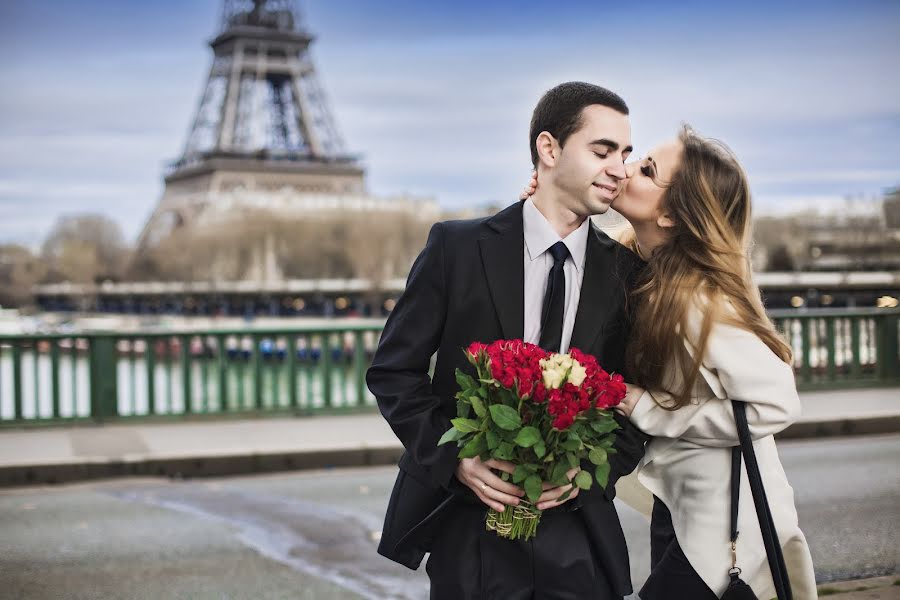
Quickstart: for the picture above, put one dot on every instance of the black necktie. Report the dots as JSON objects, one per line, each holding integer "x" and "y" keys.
{"x": 554, "y": 300}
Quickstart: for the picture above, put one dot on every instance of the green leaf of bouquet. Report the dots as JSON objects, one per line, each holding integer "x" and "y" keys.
{"x": 504, "y": 451}
{"x": 528, "y": 437}
{"x": 571, "y": 445}
{"x": 475, "y": 447}
{"x": 604, "y": 425}
{"x": 520, "y": 474}
{"x": 583, "y": 480}
{"x": 533, "y": 488}
{"x": 558, "y": 474}
{"x": 493, "y": 440}
{"x": 466, "y": 425}
{"x": 540, "y": 449}
{"x": 571, "y": 459}
{"x": 451, "y": 435}
{"x": 479, "y": 406}
{"x": 463, "y": 409}
{"x": 602, "y": 475}
{"x": 505, "y": 417}
{"x": 597, "y": 456}
{"x": 464, "y": 380}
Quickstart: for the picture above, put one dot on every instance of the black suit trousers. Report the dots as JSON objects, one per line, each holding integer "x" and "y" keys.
{"x": 468, "y": 562}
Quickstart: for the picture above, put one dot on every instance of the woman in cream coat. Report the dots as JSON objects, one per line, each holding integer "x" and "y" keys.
{"x": 700, "y": 339}
{"x": 687, "y": 467}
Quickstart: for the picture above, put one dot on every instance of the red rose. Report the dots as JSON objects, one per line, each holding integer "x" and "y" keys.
{"x": 475, "y": 347}
{"x": 563, "y": 421}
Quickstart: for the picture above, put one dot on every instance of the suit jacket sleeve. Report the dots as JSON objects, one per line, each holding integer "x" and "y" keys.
{"x": 629, "y": 446}
{"x": 399, "y": 376}
{"x": 737, "y": 366}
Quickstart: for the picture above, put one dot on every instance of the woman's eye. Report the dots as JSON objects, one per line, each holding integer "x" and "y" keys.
{"x": 598, "y": 155}
{"x": 646, "y": 171}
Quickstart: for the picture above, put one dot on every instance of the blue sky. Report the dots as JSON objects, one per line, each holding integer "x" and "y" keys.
{"x": 437, "y": 96}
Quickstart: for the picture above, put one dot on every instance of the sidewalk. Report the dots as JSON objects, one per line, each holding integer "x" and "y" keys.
{"x": 228, "y": 447}
{"x": 875, "y": 588}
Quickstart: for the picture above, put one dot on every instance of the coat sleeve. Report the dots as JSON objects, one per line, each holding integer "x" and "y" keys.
{"x": 399, "y": 376}
{"x": 629, "y": 445}
{"x": 737, "y": 366}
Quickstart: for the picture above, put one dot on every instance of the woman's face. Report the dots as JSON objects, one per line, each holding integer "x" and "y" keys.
{"x": 645, "y": 185}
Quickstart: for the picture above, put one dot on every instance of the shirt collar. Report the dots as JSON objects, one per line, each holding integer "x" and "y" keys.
{"x": 540, "y": 235}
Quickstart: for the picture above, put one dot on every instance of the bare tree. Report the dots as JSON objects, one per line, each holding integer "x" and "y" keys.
{"x": 19, "y": 271}
{"x": 84, "y": 248}
{"x": 371, "y": 245}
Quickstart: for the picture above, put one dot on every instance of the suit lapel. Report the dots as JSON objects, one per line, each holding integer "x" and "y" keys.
{"x": 502, "y": 249}
{"x": 598, "y": 290}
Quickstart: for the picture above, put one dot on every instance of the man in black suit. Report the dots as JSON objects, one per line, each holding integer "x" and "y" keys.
{"x": 539, "y": 271}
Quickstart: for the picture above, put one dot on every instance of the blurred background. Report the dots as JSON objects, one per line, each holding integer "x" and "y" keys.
{"x": 208, "y": 208}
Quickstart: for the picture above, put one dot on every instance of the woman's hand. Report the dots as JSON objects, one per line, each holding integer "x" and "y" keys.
{"x": 530, "y": 188}
{"x": 633, "y": 393}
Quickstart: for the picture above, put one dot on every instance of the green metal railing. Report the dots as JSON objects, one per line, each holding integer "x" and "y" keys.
{"x": 842, "y": 348}
{"x": 106, "y": 376}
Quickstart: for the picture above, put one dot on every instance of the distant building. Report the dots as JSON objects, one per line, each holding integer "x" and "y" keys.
{"x": 892, "y": 209}
{"x": 849, "y": 240}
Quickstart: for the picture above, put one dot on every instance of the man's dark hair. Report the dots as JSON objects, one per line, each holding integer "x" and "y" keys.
{"x": 558, "y": 112}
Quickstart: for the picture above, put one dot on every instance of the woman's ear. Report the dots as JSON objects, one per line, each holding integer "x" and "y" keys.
{"x": 547, "y": 148}
{"x": 664, "y": 221}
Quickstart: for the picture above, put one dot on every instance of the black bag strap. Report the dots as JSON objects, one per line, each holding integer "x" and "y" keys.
{"x": 763, "y": 513}
{"x": 735, "y": 491}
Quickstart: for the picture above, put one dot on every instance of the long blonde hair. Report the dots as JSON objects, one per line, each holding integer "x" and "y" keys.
{"x": 705, "y": 259}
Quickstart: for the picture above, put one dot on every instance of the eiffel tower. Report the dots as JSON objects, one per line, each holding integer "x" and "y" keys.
{"x": 263, "y": 135}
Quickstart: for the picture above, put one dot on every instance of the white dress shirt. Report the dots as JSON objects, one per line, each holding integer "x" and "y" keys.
{"x": 539, "y": 236}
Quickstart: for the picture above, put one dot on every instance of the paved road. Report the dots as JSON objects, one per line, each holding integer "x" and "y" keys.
{"x": 312, "y": 535}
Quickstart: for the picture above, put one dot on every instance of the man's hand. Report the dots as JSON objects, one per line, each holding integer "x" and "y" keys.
{"x": 550, "y": 497}
{"x": 489, "y": 488}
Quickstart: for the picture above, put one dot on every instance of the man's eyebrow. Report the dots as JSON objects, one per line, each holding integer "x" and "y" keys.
{"x": 610, "y": 144}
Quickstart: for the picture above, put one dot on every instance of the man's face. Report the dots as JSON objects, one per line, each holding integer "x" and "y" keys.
{"x": 590, "y": 169}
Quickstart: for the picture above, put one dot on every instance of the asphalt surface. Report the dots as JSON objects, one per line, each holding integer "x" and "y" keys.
{"x": 312, "y": 535}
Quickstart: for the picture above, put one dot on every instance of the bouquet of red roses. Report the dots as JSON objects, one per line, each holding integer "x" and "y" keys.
{"x": 544, "y": 412}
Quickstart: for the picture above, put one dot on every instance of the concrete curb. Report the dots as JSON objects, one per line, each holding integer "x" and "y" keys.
{"x": 841, "y": 427}
{"x": 197, "y": 466}
{"x": 872, "y": 588}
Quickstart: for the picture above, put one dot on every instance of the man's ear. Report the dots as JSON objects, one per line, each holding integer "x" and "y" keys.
{"x": 547, "y": 148}
{"x": 665, "y": 220}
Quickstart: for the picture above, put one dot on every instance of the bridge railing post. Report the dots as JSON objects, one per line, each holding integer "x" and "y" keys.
{"x": 103, "y": 376}
{"x": 888, "y": 361}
